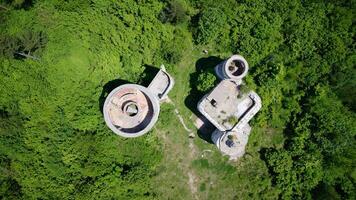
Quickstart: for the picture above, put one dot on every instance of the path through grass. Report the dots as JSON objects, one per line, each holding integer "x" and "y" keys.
{"x": 193, "y": 168}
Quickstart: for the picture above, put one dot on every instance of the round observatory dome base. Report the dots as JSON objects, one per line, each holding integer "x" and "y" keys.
{"x": 131, "y": 110}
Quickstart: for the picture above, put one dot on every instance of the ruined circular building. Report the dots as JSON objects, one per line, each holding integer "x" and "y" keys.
{"x": 235, "y": 67}
{"x": 131, "y": 110}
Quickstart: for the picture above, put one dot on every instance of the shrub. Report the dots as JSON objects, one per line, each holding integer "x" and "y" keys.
{"x": 243, "y": 90}
{"x": 173, "y": 13}
{"x": 206, "y": 81}
{"x": 232, "y": 120}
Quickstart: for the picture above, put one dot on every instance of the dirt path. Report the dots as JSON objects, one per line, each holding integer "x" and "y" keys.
{"x": 182, "y": 120}
{"x": 192, "y": 178}
{"x": 176, "y": 111}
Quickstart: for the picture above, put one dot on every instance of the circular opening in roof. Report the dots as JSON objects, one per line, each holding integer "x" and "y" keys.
{"x": 237, "y": 67}
{"x": 131, "y": 109}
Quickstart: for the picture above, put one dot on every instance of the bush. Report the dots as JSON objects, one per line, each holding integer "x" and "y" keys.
{"x": 244, "y": 89}
{"x": 206, "y": 81}
{"x": 232, "y": 120}
{"x": 173, "y": 13}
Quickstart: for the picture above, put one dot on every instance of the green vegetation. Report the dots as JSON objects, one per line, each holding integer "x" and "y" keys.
{"x": 59, "y": 59}
{"x": 232, "y": 120}
{"x": 232, "y": 137}
{"x": 206, "y": 81}
{"x": 244, "y": 89}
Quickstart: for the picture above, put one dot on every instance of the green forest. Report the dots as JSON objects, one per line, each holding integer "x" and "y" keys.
{"x": 59, "y": 59}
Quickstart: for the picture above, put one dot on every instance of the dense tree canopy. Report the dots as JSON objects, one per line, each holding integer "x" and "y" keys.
{"x": 57, "y": 58}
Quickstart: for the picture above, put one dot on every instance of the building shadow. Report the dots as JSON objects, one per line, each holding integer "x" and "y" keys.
{"x": 146, "y": 78}
{"x": 148, "y": 74}
{"x": 202, "y": 65}
{"x": 206, "y": 130}
{"x": 108, "y": 87}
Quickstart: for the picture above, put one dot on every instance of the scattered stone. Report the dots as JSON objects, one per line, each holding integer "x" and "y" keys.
{"x": 191, "y": 135}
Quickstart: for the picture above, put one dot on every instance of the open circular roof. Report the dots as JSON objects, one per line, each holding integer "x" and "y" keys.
{"x": 236, "y": 67}
{"x": 131, "y": 110}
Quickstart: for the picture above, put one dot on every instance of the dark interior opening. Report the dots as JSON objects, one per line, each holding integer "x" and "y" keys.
{"x": 237, "y": 67}
{"x": 213, "y": 102}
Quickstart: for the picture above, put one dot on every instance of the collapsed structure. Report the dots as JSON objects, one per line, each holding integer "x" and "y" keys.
{"x": 230, "y": 106}
{"x": 131, "y": 110}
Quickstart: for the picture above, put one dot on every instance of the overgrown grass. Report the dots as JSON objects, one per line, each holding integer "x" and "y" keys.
{"x": 216, "y": 176}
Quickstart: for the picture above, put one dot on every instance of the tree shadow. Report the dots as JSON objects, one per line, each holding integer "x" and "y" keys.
{"x": 202, "y": 65}
{"x": 26, "y": 4}
{"x": 206, "y": 130}
{"x": 264, "y": 152}
{"x": 146, "y": 78}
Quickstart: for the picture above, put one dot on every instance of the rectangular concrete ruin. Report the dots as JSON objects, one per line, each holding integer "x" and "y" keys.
{"x": 230, "y": 109}
{"x": 226, "y": 101}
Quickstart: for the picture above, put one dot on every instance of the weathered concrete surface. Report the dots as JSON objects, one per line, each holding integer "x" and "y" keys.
{"x": 161, "y": 84}
{"x": 220, "y": 104}
{"x": 125, "y": 123}
{"x": 233, "y": 143}
{"x": 228, "y": 109}
{"x": 131, "y": 110}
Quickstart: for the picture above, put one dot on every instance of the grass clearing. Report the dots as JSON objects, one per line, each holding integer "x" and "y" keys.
{"x": 215, "y": 176}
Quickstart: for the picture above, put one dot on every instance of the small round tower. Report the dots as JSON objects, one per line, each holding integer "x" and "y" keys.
{"x": 235, "y": 68}
{"x": 131, "y": 110}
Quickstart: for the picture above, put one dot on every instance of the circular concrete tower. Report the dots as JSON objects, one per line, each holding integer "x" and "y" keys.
{"x": 131, "y": 110}
{"x": 235, "y": 67}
